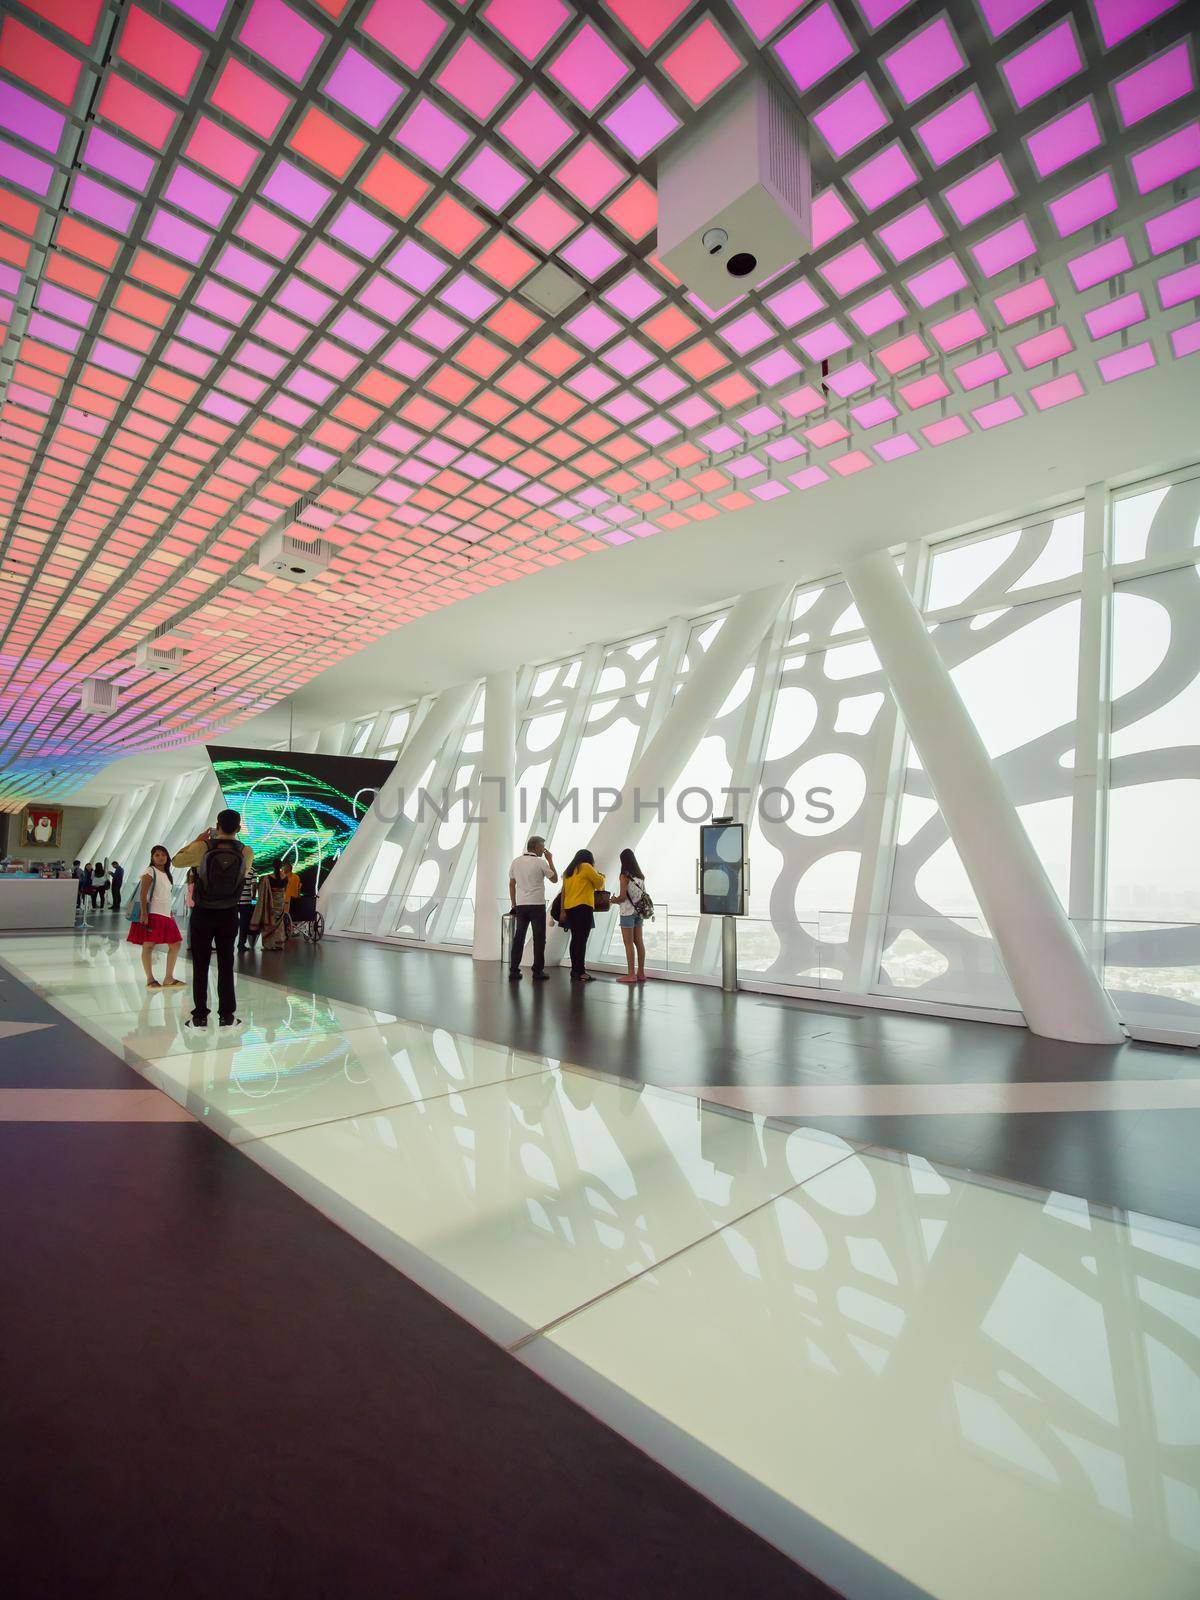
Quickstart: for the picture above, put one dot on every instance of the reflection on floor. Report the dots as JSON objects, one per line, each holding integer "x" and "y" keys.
{"x": 755, "y": 1051}
{"x": 911, "y": 1382}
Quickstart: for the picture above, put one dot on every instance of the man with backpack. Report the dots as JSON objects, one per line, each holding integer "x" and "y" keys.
{"x": 221, "y": 865}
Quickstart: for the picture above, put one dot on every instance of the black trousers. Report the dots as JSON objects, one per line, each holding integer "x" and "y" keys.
{"x": 211, "y": 928}
{"x": 580, "y": 920}
{"x": 528, "y": 917}
{"x": 246, "y": 934}
{"x": 116, "y": 896}
{"x": 97, "y": 897}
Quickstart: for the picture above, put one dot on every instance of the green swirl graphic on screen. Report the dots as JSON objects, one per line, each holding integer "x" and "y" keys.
{"x": 297, "y": 808}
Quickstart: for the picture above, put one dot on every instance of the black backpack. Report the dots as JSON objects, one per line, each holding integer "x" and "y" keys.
{"x": 220, "y": 874}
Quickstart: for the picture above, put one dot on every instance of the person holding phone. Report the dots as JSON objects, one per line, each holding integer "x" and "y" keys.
{"x": 221, "y": 864}
{"x": 527, "y": 880}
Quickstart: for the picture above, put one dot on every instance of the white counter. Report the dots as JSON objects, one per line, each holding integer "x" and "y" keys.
{"x": 37, "y": 902}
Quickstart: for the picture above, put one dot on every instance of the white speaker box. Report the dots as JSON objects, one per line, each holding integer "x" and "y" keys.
{"x": 99, "y": 697}
{"x": 159, "y": 658}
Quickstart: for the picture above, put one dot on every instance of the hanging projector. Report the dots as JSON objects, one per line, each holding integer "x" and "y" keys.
{"x": 735, "y": 195}
{"x": 297, "y": 560}
{"x": 98, "y": 697}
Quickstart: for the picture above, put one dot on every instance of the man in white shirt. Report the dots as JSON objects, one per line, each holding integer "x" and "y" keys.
{"x": 527, "y": 880}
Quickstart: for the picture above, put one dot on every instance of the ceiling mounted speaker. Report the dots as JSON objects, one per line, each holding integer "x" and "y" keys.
{"x": 99, "y": 697}
{"x": 297, "y": 560}
{"x": 153, "y": 657}
{"x": 551, "y": 289}
{"x": 735, "y": 195}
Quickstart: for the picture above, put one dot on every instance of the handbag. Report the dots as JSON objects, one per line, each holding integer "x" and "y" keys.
{"x": 134, "y": 914}
{"x": 603, "y": 900}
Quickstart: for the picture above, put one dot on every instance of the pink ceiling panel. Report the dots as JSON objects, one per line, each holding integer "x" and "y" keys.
{"x": 340, "y": 271}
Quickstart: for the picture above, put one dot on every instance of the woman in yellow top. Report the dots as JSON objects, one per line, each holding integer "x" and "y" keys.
{"x": 579, "y": 885}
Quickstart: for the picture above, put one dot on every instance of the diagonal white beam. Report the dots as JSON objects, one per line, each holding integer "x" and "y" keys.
{"x": 1058, "y": 991}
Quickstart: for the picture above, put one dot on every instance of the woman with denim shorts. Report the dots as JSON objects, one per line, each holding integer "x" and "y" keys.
{"x": 627, "y": 902}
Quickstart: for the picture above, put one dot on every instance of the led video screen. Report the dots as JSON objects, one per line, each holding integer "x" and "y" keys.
{"x": 298, "y": 808}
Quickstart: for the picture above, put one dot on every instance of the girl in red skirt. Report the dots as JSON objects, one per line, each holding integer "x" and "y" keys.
{"x": 157, "y": 925}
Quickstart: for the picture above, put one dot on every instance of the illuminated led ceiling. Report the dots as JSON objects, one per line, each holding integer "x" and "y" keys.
{"x": 264, "y": 260}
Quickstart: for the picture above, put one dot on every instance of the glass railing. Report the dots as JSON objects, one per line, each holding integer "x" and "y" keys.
{"x": 1152, "y": 969}
{"x": 669, "y": 938}
{"x": 949, "y": 960}
{"x": 809, "y": 953}
{"x": 415, "y": 919}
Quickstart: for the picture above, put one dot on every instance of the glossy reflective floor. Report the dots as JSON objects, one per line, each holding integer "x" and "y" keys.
{"x": 1118, "y": 1124}
{"x": 912, "y": 1382}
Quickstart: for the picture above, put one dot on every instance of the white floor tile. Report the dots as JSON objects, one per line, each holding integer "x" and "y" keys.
{"x": 991, "y": 1395}
{"x": 529, "y": 1198}
{"x": 152, "y": 1024}
{"x": 250, "y": 1089}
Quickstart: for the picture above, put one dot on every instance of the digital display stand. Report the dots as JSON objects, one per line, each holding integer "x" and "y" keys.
{"x": 722, "y": 874}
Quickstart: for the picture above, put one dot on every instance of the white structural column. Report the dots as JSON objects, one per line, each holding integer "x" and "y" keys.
{"x": 129, "y": 832}
{"x": 1089, "y": 774}
{"x": 881, "y": 820}
{"x": 344, "y": 886}
{"x": 200, "y": 808}
{"x": 160, "y": 814}
{"x": 98, "y": 844}
{"x": 1046, "y": 964}
{"x": 496, "y": 806}
{"x": 686, "y": 721}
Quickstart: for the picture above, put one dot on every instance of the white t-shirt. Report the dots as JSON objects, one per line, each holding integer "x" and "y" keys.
{"x": 530, "y": 873}
{"x": 160, "y": 895}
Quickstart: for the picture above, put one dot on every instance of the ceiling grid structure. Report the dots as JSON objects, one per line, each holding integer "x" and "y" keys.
{"x": 269, "y": 269}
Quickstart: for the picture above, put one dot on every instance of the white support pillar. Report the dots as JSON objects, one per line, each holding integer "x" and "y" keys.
{"x": 746, "y": 769}
{"x": 330, "y": 740}
{"x": 881, "y": 819}
{"x": 139, "y": 827}
{"x": 687, "y": 720}
{"x": 159, "y": 818}
{"x": 1046, "y": 964}
{"x": 1089, "y": 790}
{"x": 200, "y": 809}
{"x": 106, "y": 829}
{"x": 496, "y": 808}
{"x": 344, "y": 886}
{"x": 136, "y": 815}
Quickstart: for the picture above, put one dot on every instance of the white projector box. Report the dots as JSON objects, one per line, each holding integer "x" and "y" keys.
{"x": 735, "y": 195}
{"x": 297, "y": 560}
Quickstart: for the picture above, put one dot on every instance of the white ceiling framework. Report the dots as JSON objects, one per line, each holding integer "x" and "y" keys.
{"x": 266, "y": 264}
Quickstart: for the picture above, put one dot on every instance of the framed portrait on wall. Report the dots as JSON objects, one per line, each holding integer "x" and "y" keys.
{"x": 41, "y": 827}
